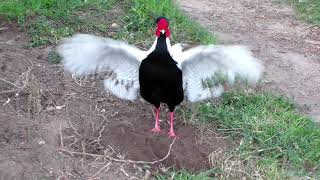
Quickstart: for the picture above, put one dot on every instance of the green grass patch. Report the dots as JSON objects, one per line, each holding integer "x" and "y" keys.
{"x": 271, "y": 139}
{"x": 47, "y": 21}
{"x": 272, "y": 135}
{"x": 55, "y": 9}
{"x": 185, "y": 175}
{"x": 309, "y": 10}
{"x": 139, "y": 23}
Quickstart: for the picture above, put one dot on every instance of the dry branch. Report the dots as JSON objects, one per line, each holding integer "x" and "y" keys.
{"x": 120, "y": 160}
{"x": 100, "y": 170}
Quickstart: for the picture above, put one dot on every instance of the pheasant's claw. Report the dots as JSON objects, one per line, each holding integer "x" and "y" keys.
{"x": 171, "y": 134}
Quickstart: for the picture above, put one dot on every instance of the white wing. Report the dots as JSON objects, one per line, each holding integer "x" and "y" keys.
{"x": 113, "y": 61}
{"x": 206, "y": 68}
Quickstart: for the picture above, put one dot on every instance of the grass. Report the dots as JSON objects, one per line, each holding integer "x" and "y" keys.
{"x": 309, "y": 10}
{"x": 185, "y": 175}
{"x": 47, "y": 21}
{"x": 274, "y": 141}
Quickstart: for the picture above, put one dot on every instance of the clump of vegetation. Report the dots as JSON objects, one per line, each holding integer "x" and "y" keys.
{"x": 47, "y": 21}
{"x": 309, "y": 10}
{"x": 54, "y": 57}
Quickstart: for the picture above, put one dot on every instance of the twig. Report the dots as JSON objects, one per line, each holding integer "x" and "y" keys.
{"x": 99, "y": 138}
{"x": 13, "y": 109}
{"x": 74, "y": 142}
{"x": 7, "y": 102}
{"x": 23, "y": 78}
{"x": 105, "y": 119}
{"x": 83, "y": 150}
{"x": 72, "y": 127}
{"x": 61, "y": 138}
{"x": 118, "y": 155}
{"x": 307, "y": 27}
{"x": 121, "y": 160}
{"x": 124, "y": 172}
{"x": 9, "y": 91}
{"x": 100, "y": 170}
{"x": 8, "y": 82}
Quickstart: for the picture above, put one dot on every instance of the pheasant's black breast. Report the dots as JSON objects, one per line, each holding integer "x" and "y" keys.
{"x": 160, "y": 78}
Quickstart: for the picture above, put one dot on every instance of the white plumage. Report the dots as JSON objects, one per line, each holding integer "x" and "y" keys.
{"x": 114, "y": 61}
{"x": 204, "y": 68}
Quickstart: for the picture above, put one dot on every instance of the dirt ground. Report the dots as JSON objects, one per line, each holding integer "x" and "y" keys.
{"x": 56, "y": 127}
{"x": 289, "y": 49}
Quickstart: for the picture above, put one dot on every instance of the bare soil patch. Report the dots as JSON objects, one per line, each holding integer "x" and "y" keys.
{"x": 55, "y": 127}
{"x": 289, "y": 49}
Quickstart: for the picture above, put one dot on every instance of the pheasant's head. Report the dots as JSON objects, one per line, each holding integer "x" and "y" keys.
{"x": 162, "y": 27}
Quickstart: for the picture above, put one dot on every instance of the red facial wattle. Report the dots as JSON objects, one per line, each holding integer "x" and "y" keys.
{"x": 163, "y": 25}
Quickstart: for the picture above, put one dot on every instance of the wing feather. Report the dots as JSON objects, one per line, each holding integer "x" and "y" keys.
{"x": 116, "y": 62}
{"x": 206, "y": 68}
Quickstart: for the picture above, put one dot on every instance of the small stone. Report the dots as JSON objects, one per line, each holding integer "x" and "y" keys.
{"x": 114, "y": 25}
{"x": 41, "y": 142}
{"x": 59, "y": 107}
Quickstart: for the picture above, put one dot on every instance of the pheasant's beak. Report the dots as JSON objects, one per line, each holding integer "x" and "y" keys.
{"x": 162, "y": 31}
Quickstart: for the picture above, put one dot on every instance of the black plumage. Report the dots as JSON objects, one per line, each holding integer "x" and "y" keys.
{"x": 160, "y": 78}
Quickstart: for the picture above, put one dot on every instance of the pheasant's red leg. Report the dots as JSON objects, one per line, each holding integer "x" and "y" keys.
{"x": 171, "y": 132}
{"x": 156, "y": 128}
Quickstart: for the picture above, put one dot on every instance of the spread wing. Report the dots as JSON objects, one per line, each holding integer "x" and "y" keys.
{"x": 115, "y": 62}
{"x": 206, "y": 68}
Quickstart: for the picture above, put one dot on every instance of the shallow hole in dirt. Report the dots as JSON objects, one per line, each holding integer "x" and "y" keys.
{"x": 130, "y": 138}
{"x": 137, "y": 143}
